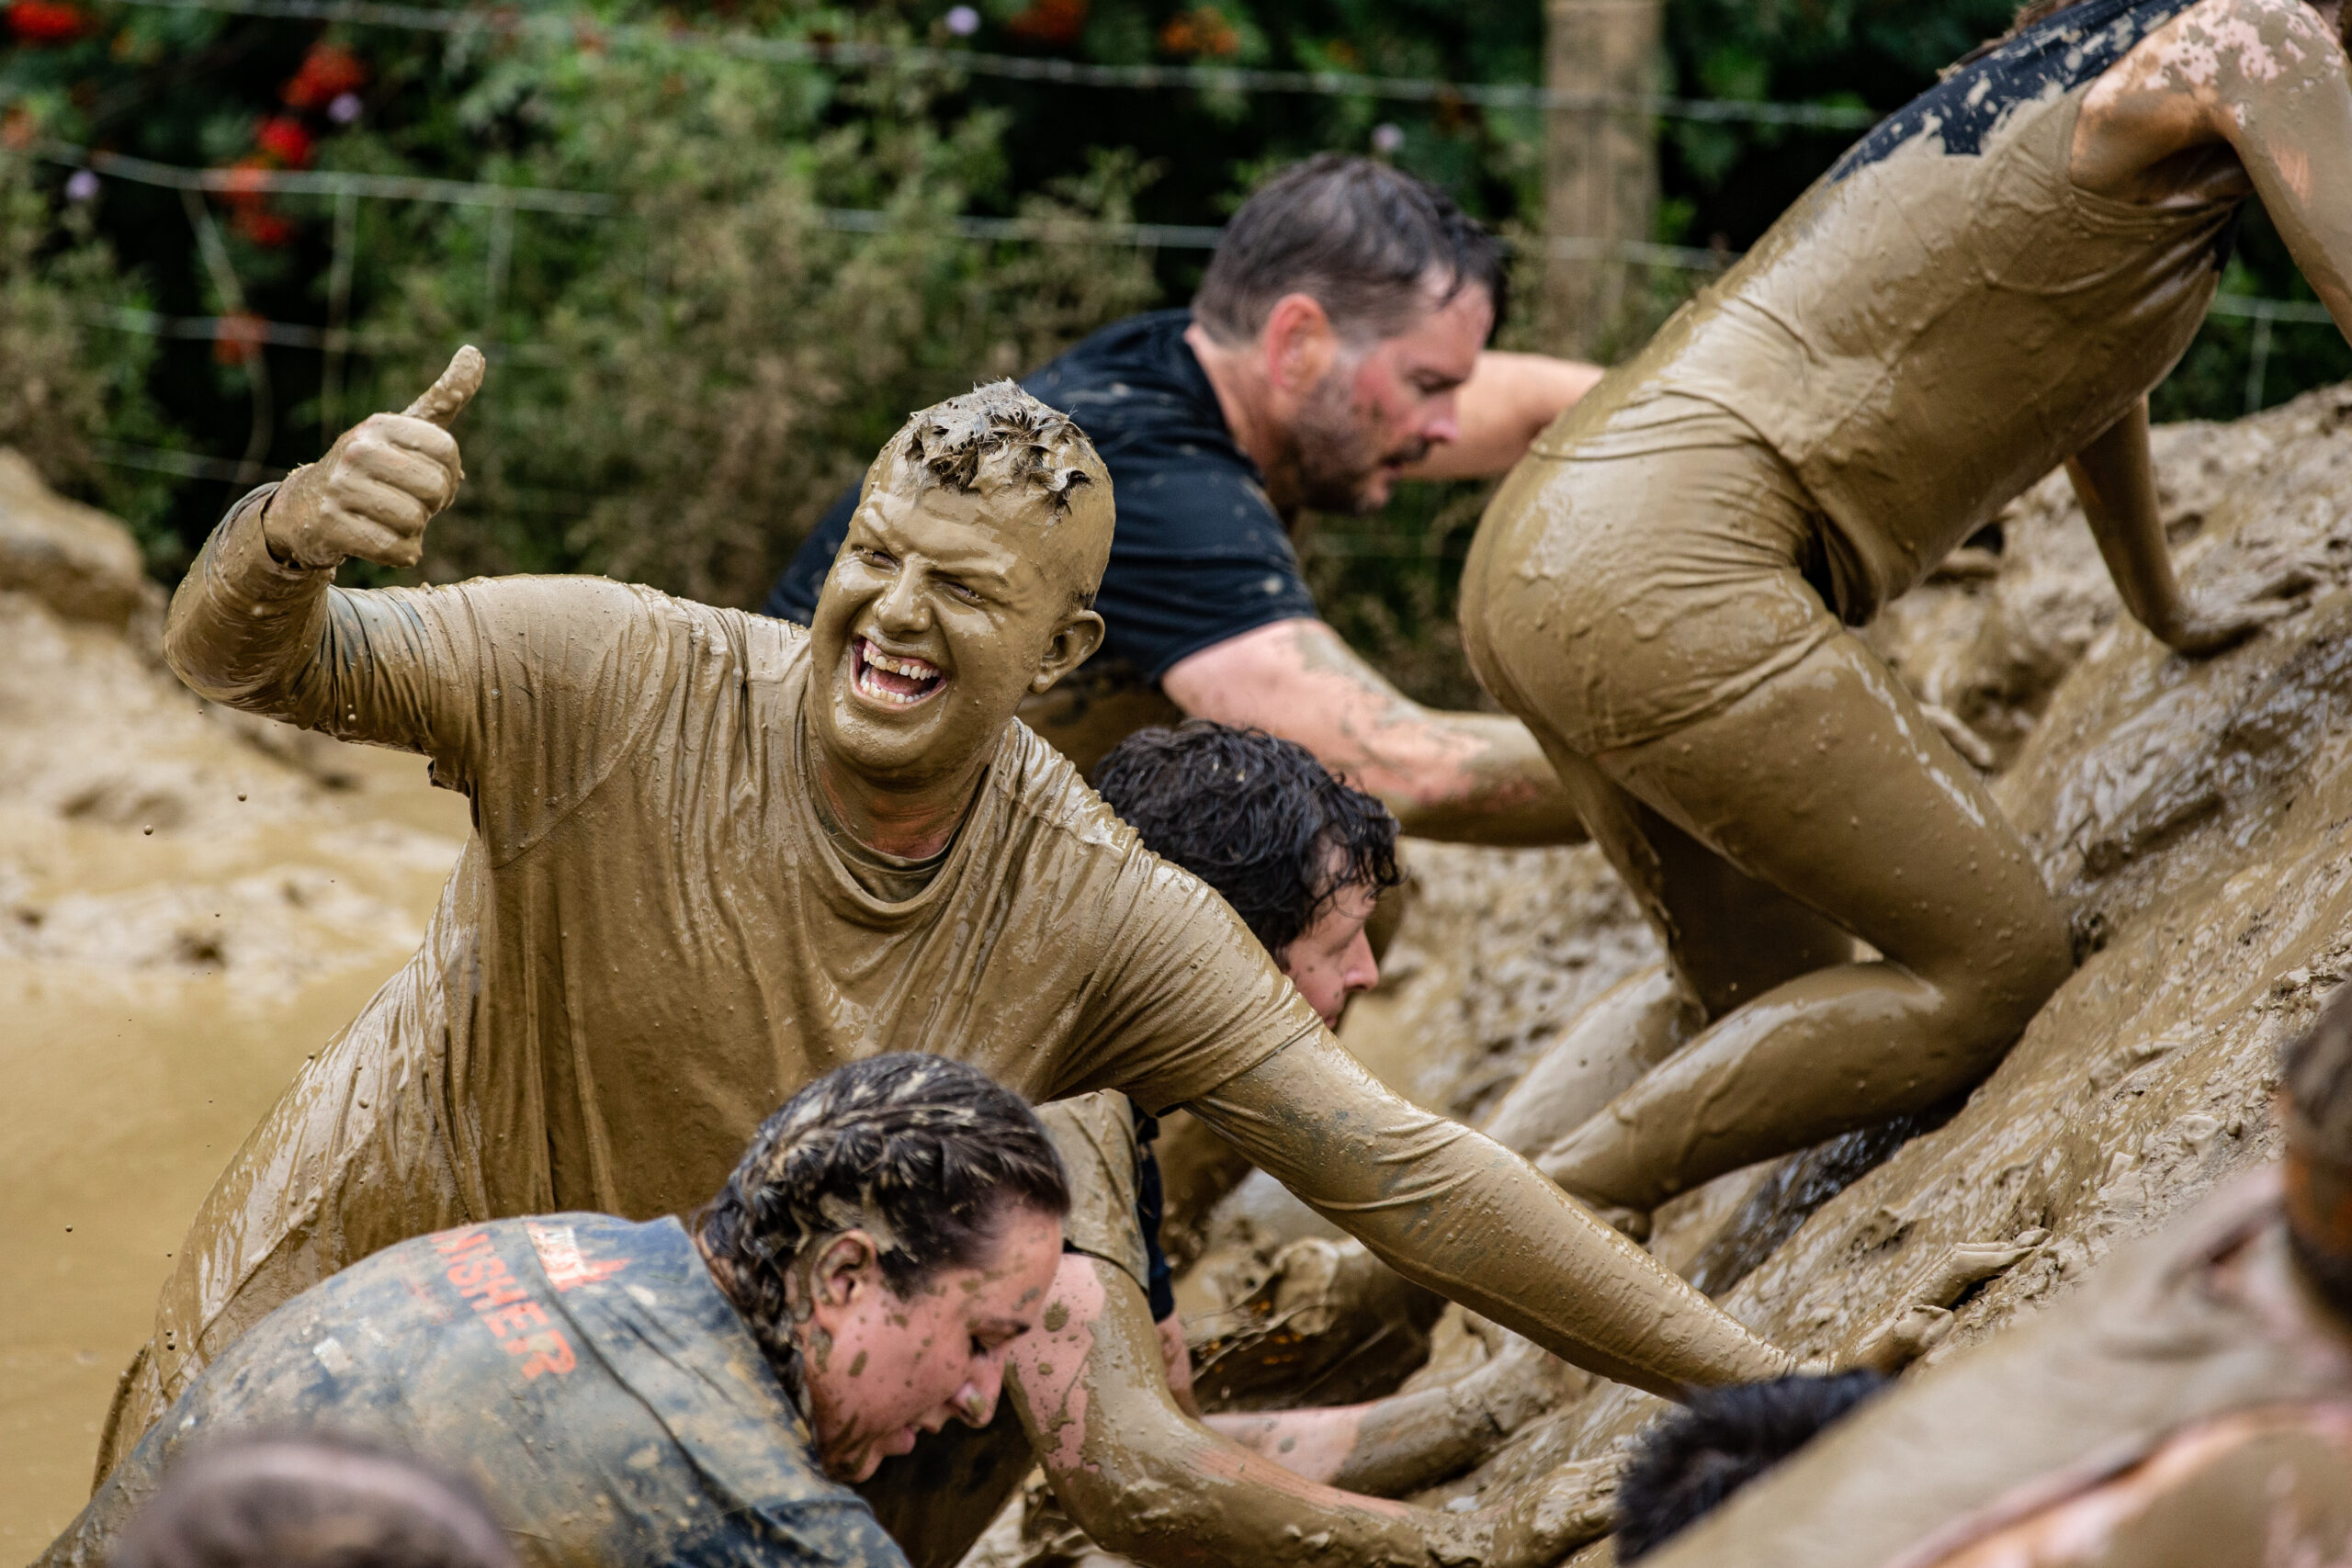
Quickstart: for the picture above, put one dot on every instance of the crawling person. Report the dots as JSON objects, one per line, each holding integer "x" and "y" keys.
{"x": 716, "y": 854}
{"x": 638, "y": 1393}
{"x": 1985, "y": 285}
{"x": 2190, "y": 1405}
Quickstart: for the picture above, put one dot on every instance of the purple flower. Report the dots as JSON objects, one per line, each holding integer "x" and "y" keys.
{"x": 82, "y": 185}
{"x": 344, "y": 108}
{"x": 963, "y": 21}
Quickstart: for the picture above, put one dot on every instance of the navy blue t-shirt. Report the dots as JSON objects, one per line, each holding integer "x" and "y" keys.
{"x": 1199, "y": 555}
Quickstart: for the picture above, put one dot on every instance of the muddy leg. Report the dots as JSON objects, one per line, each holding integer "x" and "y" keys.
{"x": 1829, "y": 785}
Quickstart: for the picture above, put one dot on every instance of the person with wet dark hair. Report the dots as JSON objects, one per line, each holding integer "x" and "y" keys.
{"x": 1300, "y": 855}
{"x": 1697, "y": 1455}
{"x": 2190, "y": 1404}
{"x": 1336, "y": 345}
{"x": 662, "y": 1392}
{"x": 309, "y": 1501}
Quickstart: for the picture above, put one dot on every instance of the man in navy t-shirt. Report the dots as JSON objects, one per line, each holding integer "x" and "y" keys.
{"x": 1337, "y": 344}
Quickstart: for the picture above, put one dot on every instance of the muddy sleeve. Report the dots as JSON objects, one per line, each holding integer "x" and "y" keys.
{"x": 1458, "y": 1214}
{"x": 1184, "y": 997}
{"x": 523, "y": 690}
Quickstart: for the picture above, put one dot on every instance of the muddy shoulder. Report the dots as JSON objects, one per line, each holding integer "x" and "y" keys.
{"x": 2191, "y": 817}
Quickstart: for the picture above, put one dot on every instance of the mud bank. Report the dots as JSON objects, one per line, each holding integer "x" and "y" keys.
{"x": 189, "y": 903}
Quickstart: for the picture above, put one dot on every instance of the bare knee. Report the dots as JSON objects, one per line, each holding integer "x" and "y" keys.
{"x": 1997, "y": 987}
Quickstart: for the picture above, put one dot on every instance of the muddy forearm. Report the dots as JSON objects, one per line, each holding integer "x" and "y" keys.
{"x": 2115, "y": 478}
{"x": 244, "y": 626}
{"x": 1471, "y": 777}
{"x": 1147, "y": 1482}
{"x": 1383, "y": 1448}
{"x": 1457, "y": 1213}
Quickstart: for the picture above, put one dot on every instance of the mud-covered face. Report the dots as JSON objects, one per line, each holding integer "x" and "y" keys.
{"x": 1332, "y": 960}
{"x": 944, "y": 609}
{"x": 1379, "y": 410}
{"x": 882, "y": 1369}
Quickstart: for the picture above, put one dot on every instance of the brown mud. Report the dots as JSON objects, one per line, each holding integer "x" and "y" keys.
{"x": 159, "y": 987}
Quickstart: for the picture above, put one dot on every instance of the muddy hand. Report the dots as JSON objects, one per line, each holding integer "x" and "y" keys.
{"x": 1922, "y": 1318}
{"x": 1536, "y": 1523}
{"x": 2203, "y": 633}
{"x": 378, "y": 486}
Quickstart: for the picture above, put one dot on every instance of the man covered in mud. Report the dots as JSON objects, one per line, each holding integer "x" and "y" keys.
{"x": 658, "y": 1393}
{"x": 1337, "y": 344}
{"x": 716, "y": 854}
{"x": 1985, "y": 285}
{"x": 2190, "y": 1405}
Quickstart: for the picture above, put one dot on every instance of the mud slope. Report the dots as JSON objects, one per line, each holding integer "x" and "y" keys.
{"x": 190, "y": 902}
{"x": 2194, "y": 820}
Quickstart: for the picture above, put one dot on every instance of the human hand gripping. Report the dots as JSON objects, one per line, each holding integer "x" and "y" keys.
{"x": 381, "y": 482}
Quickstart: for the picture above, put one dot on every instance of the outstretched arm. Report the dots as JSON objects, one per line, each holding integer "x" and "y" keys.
{"x": 1473, "y": 777}
{"x": 2115, "y": 478}
{"x": 2281, "y": 97}
{"x": 1457, "y": 1213}
{"x": 1505, "y": 405}
{"x": 1147, "y": 1482}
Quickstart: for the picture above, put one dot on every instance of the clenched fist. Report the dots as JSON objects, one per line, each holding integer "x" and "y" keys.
{"x": 378, "y": 486}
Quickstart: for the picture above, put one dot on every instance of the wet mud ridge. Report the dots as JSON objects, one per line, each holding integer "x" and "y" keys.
{"x": 2191, "y": 818}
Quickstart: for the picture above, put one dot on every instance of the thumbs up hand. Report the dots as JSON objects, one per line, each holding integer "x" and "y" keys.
{"x": 376, "y": 489}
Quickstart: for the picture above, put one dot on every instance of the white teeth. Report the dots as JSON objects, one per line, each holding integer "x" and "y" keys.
{"x": 909, "y": 668}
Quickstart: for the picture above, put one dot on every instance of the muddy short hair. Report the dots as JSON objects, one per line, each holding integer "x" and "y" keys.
{"x": 994, "y": 436}
{"x": 1366, "y": 241}
{"x": 1255, "y": 818}
{"x": 310, "y": 1502}
{"x": 926, "y": 1155}
{"x": 1685, "y": 1466}
{"x": 2318, "y": 1064}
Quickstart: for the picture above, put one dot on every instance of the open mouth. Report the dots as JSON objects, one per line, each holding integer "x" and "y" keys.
{"x": 891, "y": 679}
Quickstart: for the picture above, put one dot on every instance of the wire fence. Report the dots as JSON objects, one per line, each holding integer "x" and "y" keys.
{"x": 574, "y": 26}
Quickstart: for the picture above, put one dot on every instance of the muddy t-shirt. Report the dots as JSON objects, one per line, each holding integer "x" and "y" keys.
{"x": 650, "y": 942}
{"x": 1199, "y": 555}
{"x": 583, "y": 1371}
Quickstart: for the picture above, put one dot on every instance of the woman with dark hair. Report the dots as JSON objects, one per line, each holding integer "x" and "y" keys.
{"x": 1984, "y": 287}
{"x": 652, "y": 1393}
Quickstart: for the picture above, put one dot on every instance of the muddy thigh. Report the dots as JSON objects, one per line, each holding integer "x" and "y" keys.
{"x": 1827, "y": 783}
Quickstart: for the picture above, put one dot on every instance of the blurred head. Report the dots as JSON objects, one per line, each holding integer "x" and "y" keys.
{"x": 307, "y": 1502}
{"x": 889, "y": 1233}
{"x": 1368, "y": 294}
{"x": 2319, "y": 1149}
{"x": 965, "y": 582}
{"x": 1302, "y": 858}
{"x": 1687, "y": 1465}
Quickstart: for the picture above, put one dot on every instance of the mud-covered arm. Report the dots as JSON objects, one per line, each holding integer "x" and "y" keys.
{"x": 2116, "y": 478}
{"x": 1505, "y": 405}
{"x": 1151, "y": 1484}
{"x": 1472, "y": 777}
{"x": 2282, "y": 98}
{"x": 1458, "y": 1214}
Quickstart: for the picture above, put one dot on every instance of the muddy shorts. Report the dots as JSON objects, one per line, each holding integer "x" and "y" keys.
{"x": 936, "y": 1501}
{"x": 1639, "y": 572}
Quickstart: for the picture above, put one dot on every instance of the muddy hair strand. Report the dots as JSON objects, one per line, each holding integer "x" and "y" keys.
{"x": 924, "y": 1155}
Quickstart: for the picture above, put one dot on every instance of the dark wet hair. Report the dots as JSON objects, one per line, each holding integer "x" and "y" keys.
{"x": 924, "y": 1154}
{"x": 310, "y": 1502}
{"x": 1364, "y": 240}
{"x": 1255, "y": 818}
{"x": 1726, "y": 1438}
{"x": 2318, "y": 1066}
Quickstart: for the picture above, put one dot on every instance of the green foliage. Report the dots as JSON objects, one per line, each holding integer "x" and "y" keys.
{"x": 70, "y": 383}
